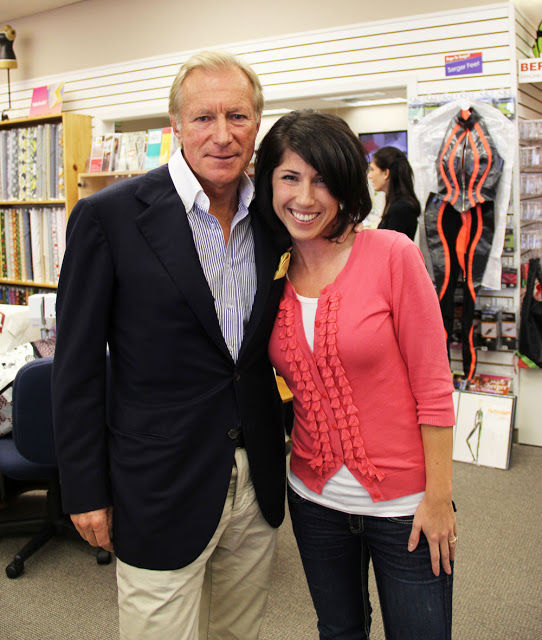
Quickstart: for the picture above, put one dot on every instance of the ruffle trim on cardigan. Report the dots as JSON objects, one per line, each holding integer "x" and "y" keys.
{"x": 337, "y": 390}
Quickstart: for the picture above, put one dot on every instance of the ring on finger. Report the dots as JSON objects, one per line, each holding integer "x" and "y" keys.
{"x": 453, "y": 541}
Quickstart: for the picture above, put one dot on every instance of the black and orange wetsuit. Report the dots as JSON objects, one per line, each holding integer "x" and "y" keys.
{"x": 459, "y": 220}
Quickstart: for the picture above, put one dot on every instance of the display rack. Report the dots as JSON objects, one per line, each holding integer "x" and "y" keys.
{"x": 530, "y": 160}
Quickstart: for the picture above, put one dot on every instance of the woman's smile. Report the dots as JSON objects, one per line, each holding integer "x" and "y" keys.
{"x": 301, "y": 198}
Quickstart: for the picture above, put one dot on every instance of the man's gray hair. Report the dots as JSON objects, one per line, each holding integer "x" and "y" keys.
{"x": 213, "y": 61}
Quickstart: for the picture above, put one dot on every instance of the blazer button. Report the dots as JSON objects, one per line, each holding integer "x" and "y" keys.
{"x": 233, "y": 433}
{"x": 237, "y": 376}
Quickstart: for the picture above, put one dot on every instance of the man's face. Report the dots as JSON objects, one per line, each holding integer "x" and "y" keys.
{"x": 218, "y": 126}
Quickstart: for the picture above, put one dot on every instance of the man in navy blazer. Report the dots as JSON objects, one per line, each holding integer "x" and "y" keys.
{"x": 181, "y": 465}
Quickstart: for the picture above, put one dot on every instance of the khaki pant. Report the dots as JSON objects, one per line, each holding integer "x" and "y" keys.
{"x": 219, "y": 596}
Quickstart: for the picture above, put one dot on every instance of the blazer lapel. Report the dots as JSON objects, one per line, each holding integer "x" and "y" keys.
{"x": 165, "y": 227}
{"x": 266, "y": 263}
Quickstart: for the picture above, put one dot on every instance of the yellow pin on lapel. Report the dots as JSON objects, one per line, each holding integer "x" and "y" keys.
{"x": 283, "y": 266}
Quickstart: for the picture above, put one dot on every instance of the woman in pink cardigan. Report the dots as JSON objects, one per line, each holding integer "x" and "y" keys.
{"x": 360, "y": 342}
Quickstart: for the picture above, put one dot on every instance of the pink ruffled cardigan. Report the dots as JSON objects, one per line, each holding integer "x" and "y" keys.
{"x": 379, "y": 369}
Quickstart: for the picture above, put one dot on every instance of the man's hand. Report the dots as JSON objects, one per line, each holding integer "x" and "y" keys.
{"x": 95, "y": 527}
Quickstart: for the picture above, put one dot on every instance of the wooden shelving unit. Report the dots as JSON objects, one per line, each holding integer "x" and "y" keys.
{"x": 89, "y": 183}
{"x": 76, "y": 144}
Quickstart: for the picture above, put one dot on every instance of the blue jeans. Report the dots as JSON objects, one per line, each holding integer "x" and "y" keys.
{"x": 335, "y": 549}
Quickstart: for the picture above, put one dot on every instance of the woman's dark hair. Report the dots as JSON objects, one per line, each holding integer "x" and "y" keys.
{"x": 328, "y": 144}
{"x": 401, "y": 180}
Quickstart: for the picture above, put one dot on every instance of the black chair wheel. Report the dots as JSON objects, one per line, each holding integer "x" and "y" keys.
{"x": 14, "y": 569}
{"x": 103, "y": 556}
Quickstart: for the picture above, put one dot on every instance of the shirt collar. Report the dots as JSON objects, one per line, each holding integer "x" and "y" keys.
{"x": 191, "y": 192}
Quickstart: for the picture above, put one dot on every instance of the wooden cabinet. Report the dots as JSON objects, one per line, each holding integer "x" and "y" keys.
{"x": 40, "y": 162}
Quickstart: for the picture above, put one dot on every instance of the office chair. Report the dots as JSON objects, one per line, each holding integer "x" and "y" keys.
{"x": 30, "y": 456}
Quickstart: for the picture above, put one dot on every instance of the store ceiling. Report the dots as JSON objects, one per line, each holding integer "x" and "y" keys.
{"x": 14, "y": 9}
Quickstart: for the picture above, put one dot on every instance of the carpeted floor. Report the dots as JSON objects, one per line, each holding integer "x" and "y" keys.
{"x": 65, "y": 595}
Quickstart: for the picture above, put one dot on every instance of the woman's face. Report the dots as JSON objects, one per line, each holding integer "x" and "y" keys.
{"x": 379, "y": 177}
{"x": 301, "y": 199}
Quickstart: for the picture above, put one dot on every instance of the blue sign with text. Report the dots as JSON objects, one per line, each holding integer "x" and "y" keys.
{"x": 463, "y": 64}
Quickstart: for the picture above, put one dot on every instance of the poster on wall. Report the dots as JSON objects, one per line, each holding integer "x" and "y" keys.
{"x": 483, "y": 431}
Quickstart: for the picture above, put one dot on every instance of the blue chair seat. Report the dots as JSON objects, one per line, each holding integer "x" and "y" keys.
{"x": 29, "y": 456}
{"x": 14, "y": 465}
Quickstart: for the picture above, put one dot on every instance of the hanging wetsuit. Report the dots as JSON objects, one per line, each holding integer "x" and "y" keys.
{"x": 459, "y": 220}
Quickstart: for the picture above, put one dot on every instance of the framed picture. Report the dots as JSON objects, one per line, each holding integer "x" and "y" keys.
{"x": 483, "y": 431}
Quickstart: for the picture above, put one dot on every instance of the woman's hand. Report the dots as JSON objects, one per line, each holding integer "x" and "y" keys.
{"x": 435, "y": 514}
{"x": 436, "y": 518}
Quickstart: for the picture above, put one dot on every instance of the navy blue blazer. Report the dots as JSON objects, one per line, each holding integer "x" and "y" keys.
{"x": 160, "y": 452}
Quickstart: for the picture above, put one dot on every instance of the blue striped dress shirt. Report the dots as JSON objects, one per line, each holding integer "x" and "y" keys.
{"x": 230, "y": 270}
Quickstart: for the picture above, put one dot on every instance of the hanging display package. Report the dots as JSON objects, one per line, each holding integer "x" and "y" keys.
{"x": 423, "y": 152}
{"x": 530, "y": 336}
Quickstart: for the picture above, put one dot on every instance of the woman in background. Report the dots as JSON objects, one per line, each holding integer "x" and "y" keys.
{"x": 391, "y": 174}
{"x": 360, "y": 342}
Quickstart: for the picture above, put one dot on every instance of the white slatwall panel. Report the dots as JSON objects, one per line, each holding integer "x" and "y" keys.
{"x": 381, "y": 53}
